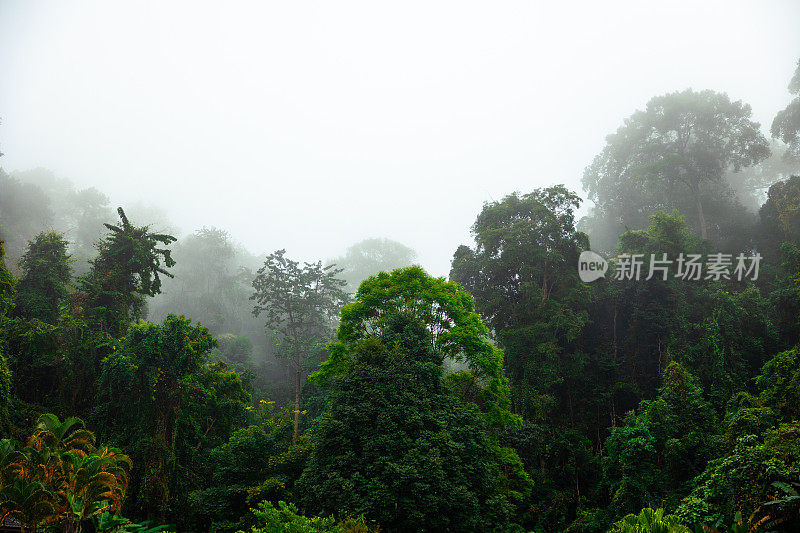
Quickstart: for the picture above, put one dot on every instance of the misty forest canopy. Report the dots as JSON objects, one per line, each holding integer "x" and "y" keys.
{"x": 685, "y": 151}
{"x": 155, "y": 383}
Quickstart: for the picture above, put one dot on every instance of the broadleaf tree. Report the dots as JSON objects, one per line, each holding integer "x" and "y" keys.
{"x": 299, "y": 304}
{"x": 458, "y": 333}
{"x": 674, "y": 154}
{"x": 786, "y": 125}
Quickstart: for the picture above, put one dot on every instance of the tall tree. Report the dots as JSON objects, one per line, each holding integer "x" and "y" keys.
{"x": 370, "y": 256}
{"x": 155, "y": 364}
{"x": 45, "y": 278}
{"x": 299, "y": 303}
{"x": 674, "y": 154}
{"x": 786, "y": 125}
{"x": 668, "y": 442}
{"x": 32, "y": 333}
{"x": 448, "y": 312}
{"x": 524, "y": 278}
{"x": 128, "y": 267}
{"x": 778, "y": 239}
{"x": 397, "y": 446}
{"x": 211, "y": 284}
{"x": 25, "y": 210}
{"x": 7, "y": 283}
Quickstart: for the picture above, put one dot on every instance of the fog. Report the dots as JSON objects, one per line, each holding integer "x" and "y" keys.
{"x": 309, "y": 126}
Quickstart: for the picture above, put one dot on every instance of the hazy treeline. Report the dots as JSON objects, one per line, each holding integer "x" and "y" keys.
{"x": 213, "y": 274}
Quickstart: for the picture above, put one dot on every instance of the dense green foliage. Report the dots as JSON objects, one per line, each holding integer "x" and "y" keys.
{"x": 457, "y": 333}
{"x": 284, "y": 518}
{"x": 257, "y": 464}
{"x": 650, "y": 521}
{"x": 523, "y": 277}
{"x": 397, "y": 446}
{"x": 44, "y": 281}
{"x": 6, "y": 302}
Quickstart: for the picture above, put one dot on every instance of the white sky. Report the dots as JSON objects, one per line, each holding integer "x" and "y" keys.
{"x": 311, "y": 125}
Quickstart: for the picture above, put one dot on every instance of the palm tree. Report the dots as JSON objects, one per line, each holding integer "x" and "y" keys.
{"x": 12, "y": 461}
{"x": 650, "y": 521}
{"x": 43, "y": 465}
{"x": 70, "y": 435}
{"x": 93, "y": 484}
{"x": 60, "y": 476}
{"x": 28, "y": 501}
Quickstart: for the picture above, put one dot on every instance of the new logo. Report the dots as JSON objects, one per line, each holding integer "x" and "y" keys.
{"x": 591, "y": 266}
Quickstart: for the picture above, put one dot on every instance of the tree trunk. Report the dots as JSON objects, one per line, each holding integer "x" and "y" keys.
{"x": 700, "y": 216}
{"x": 544, "y": 283}
{"x": 71, "y": 527}
{"x": 162, "y": 465}
{"x": 296, "y": 406}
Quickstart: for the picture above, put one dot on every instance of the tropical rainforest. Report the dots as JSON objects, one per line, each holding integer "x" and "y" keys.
{"x": 149, "y": 383}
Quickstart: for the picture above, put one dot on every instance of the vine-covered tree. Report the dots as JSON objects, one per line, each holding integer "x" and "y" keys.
{"x": 7, "y": 283}
{"x": 156, "y": 365}
{"x": 128, "y": 267}
{"x": 45, "y": 278}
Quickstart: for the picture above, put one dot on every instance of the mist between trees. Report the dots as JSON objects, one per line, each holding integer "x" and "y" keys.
{"x": 191, "y": 385}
